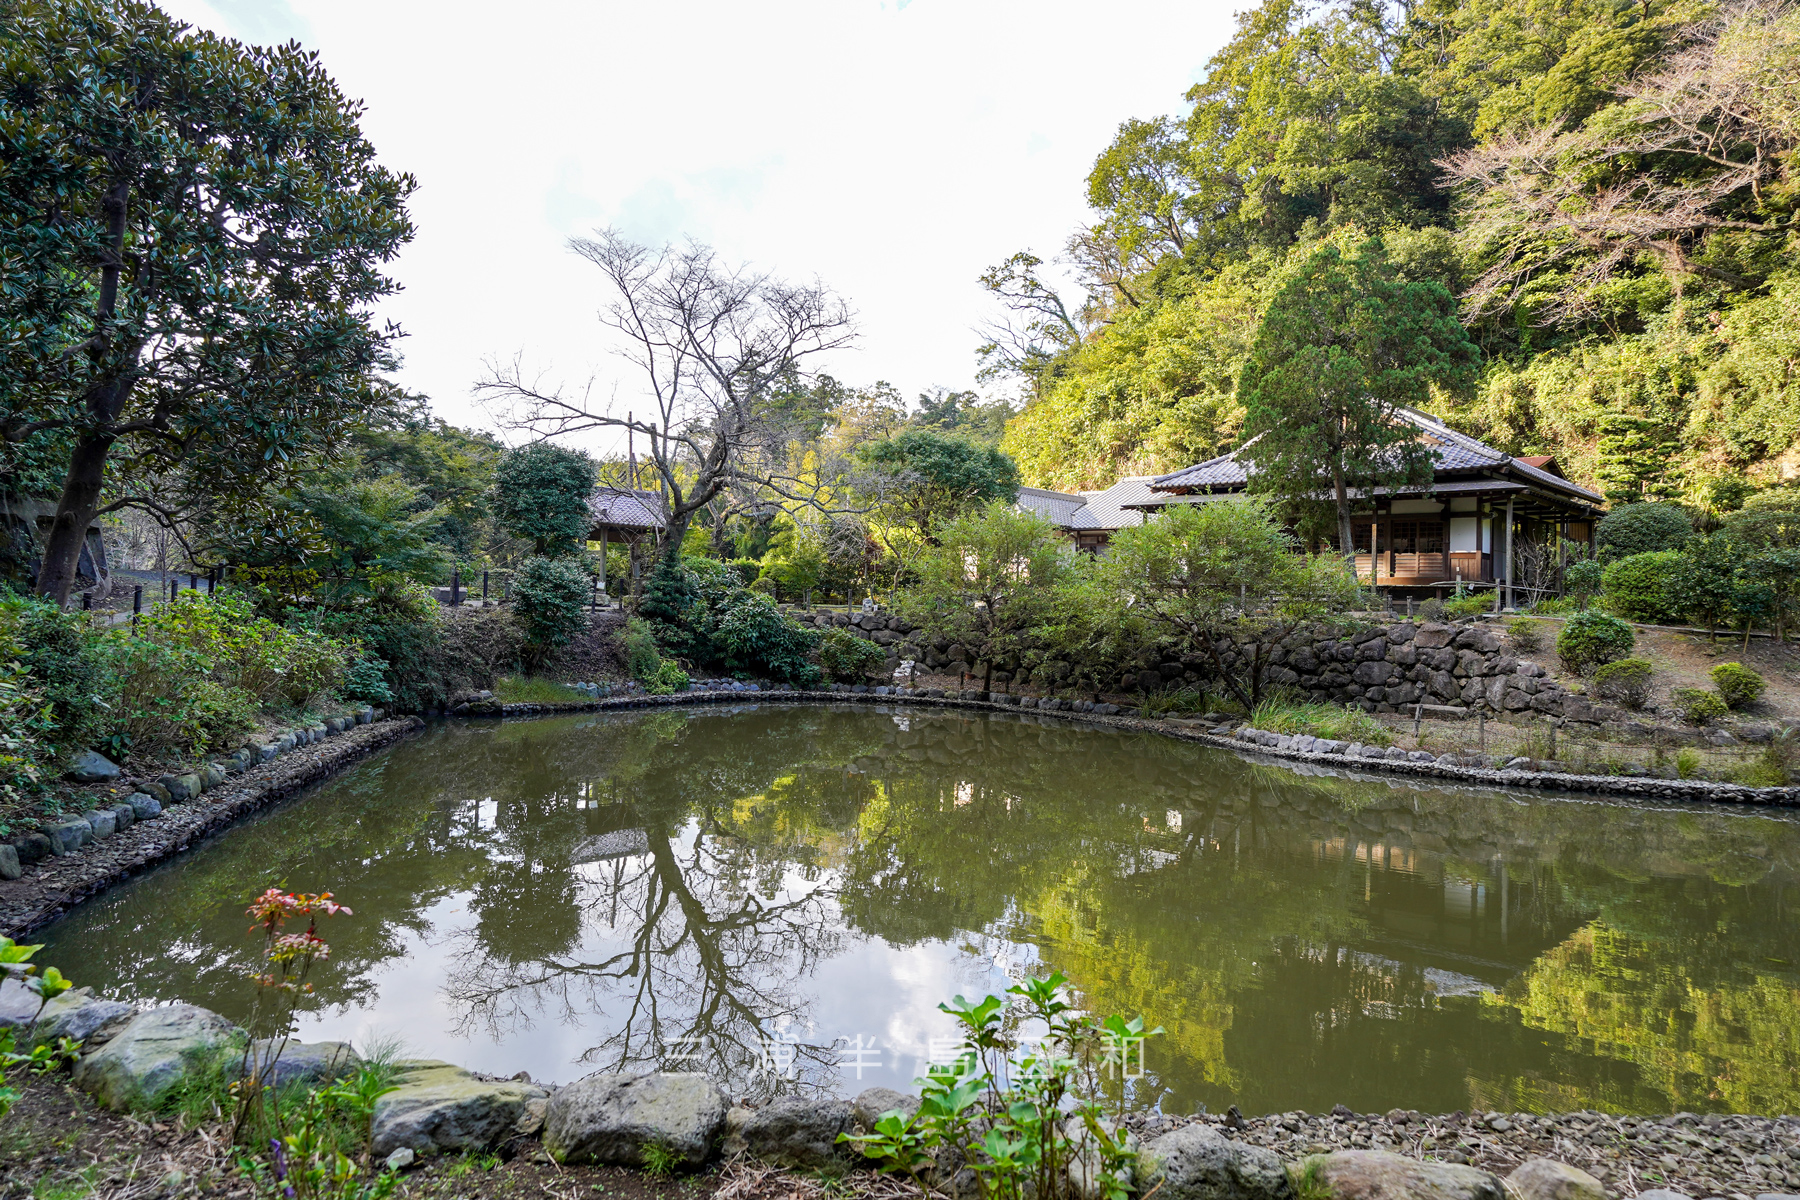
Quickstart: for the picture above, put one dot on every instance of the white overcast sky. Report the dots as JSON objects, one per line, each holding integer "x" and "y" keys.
{"x": 892, "y": 148}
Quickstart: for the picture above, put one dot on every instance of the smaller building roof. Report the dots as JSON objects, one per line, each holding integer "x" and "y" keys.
{"x": 626, "y": 508}
{"x": 1099, "y": 512}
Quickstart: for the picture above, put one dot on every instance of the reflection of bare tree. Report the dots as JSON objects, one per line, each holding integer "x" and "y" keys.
{"x": 703, "y": 971}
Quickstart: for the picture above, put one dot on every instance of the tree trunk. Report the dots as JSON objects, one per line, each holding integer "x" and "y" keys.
{"x": 75, "y": 511}
{"x": 1346, "y": 535}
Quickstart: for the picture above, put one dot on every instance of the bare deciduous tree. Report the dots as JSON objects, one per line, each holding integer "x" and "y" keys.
{"x": 1689, "y": 153}
{"x": 714, "y": 345}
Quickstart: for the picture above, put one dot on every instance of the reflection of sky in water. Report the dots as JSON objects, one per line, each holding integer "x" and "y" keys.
{"x": 564, "y": 896}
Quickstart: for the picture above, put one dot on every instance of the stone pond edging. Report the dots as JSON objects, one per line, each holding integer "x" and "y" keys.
{"x": 1298, "y": 749}
{"x": 70, "y": 867}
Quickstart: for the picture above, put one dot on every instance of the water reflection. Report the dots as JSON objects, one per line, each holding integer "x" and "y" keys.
{"x": 735, "y": 891}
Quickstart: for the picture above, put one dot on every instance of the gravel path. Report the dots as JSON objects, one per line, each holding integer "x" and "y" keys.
{"x": 1703, "y": 1156}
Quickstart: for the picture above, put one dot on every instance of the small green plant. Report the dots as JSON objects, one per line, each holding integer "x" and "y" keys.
{"x": 847, "y": 658}
{"x": 1625, "y": 682}
{"x": 1467, "y": 604}
{"x": 1027, "y": 1115}
{"x": 660, "y": 1160}
{"x": 1687, "y": 764}
{"x": 667, "y": 679}
{"x": 1737, "y": 684}
{"x": 638, "y": 643}
{"x": 1308, "y": 1179}
{"x": 1583, "y": 581}
{"x": 1590, "y": 640}
{"x": 1697, "y": 706}
{"x": 1526, "y": 634}
{"x": 1175, "y": 700}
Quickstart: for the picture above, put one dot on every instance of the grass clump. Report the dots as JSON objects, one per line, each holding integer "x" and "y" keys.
{"x": 1165, "y": 701}
{"x": 1340, "y": 724}
{"x": 1526, "y": 634}
{"x": 1737, "y": 684}
{"x": 530, "y": 689}
{"x": 660, "y": 1160}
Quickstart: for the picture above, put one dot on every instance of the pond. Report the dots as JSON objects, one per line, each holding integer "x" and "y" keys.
{"x": 781, "y": 895}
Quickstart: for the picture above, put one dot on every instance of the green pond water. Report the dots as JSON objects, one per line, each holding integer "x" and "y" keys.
{"x": 781, "y": 896}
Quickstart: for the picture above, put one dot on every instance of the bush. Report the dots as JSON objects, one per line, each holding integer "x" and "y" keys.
{"x": 1625, "y": 682}
{"x": 275, "y": 664}
{"x": 1526, "y": 634}
{"x": 26, "y": 722}
{"x": 847, "y": 658}
{"x": 668, "y": 678}
{"x": 366, "y": 682}
{"x": 63, "y": 656}
{"x": 1637, "y": 588}
{"x": 406, "y": 632}
{"x": 1471, "y": 604}
{"x": 1592, "y": 639}
{"x": 476, "y": 647}
{"x": 745, "y": 570}
{"x": 1737, "y": 684}
{"x": 757, "y": 639}
{"x": 1697, "y": 706}
{"x": 1583, "y": 581}
{"x": 1642, "y": 529}
{"x": 639, "y": 646}
{"x": 550, "y": 597}
{"x": 167, "y": 703}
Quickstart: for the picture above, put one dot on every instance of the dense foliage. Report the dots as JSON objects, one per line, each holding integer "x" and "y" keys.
{"x": 1591, "y": 639}
{"x": 1607, "y": 188}
{"x": 1642, "y": 529}
{"x": 541, "y": 496}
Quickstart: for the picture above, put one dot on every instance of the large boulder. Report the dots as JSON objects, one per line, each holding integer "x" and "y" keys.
{"x": 302, "y": 1062}
{"x": 436, "y": 1107}
{"x": 792, "y": 1131}
{"x": 1547, "y": 1179}
{"x": 74, "y": 1014}
{"x": 91, "y": 766}
{"x": 153, "y": 1053}
{"x": 1196, "y": 1163}
{"x": 611, "y": 1118}
{"x": 869, "y": 1104}
{"x": 1378, "y": 1175}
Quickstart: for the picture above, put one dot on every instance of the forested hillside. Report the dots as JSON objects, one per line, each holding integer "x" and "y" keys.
{"x": 1607, "y": 185}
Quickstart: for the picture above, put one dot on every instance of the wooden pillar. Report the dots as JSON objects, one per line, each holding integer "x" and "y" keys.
{"x": 1509, "y": 554}
{"x": 603, "y": 558}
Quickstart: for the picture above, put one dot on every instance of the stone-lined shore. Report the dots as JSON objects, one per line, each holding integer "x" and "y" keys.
{"x": 50, "y": 885}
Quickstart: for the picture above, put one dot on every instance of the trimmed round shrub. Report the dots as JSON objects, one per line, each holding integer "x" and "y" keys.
{"x": 1642, "y": 529}
{"x": 1737, "y": 684}
{"x": 848, "y": 658}
{"x": 1625, "y": 682}
{"x": 1584, "y": 580}
{"x": 1590, "y": 639}
{"x": 1637, "y": 588}
{"x": 1697, "y": 706}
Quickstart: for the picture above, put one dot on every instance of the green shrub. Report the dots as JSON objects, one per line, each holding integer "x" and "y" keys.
{"x": 63, "y": 656}
{"x": 1687, "y": 762}
{"x": 1626, "y": 682}
{"x": 1470, "y": 604}
{"x": 1583, "y": 581}
{"x": 1642, "y": 529}
{"x": 406, "y": 630}
{"x": 1737, "y": 684}
{"x": 550, "y": 598}
{"x": 667, "y": 679}
{"x": 167, "y": 703}
{"x": 639, "y": 647}
{"x": 745, "y": 570}
{"x": 1697, "y": 706}
{"x": 26, "y": 721}
{"x": 757, "y": 639}
{"x": 1526, "y": 634}
{"x": 847, "y": 658}
{"x": 276, "y": 664}
{"x": 1592, "y": 639}
{"x": 365, "y": 682}
{"x": 1637, "y": 588}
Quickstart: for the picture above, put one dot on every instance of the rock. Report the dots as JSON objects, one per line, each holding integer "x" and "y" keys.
{"x": 1196, "y": 1163}
{"x": 437, "y": 1107}
{"x": 124, "y": 816}
{"x": 793, "y": 1131}
{"x": 400, "y": 1159}
{"x": 32, "y": 847}
{"x": 1664, "y": 1194}
{"x": 1083, "y": 1170}
{"x": 151, "y": 1055}
{"x": 157, "y": 792}
{"x": 9, "y": 861}
{"x": 869, "y": 1105}
{"x": 74, "y": 1014}
{"x": 1547, "y": 1179}
{"x": 609, "y": 1118}
{"x": 1378, "y": 1175}
{"x": 181, "y": 788}
{"x": 312, "y": 1062}
{"x": 102, "y": 821}
{"x": 144, "y": 806}
{"x": 211, "y": 776}
{"x": 66, "y": 837}
{"x": 90, "y": 766}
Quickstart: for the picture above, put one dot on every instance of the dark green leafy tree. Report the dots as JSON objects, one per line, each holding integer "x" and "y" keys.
{"x": 549, "y": 596}
{"x": 541, "y": 495}
{"x": 1343, "y": 345}
{"x": 193, "y": 232}
{"x": 919, "y": 478}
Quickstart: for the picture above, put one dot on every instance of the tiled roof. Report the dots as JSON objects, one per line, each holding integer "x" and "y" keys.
{"x": 626, "y": 508}
{"x": 1454, "y": 452}
{"x": 1110, "y": 508}
{"x": 1089, "y": 510}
